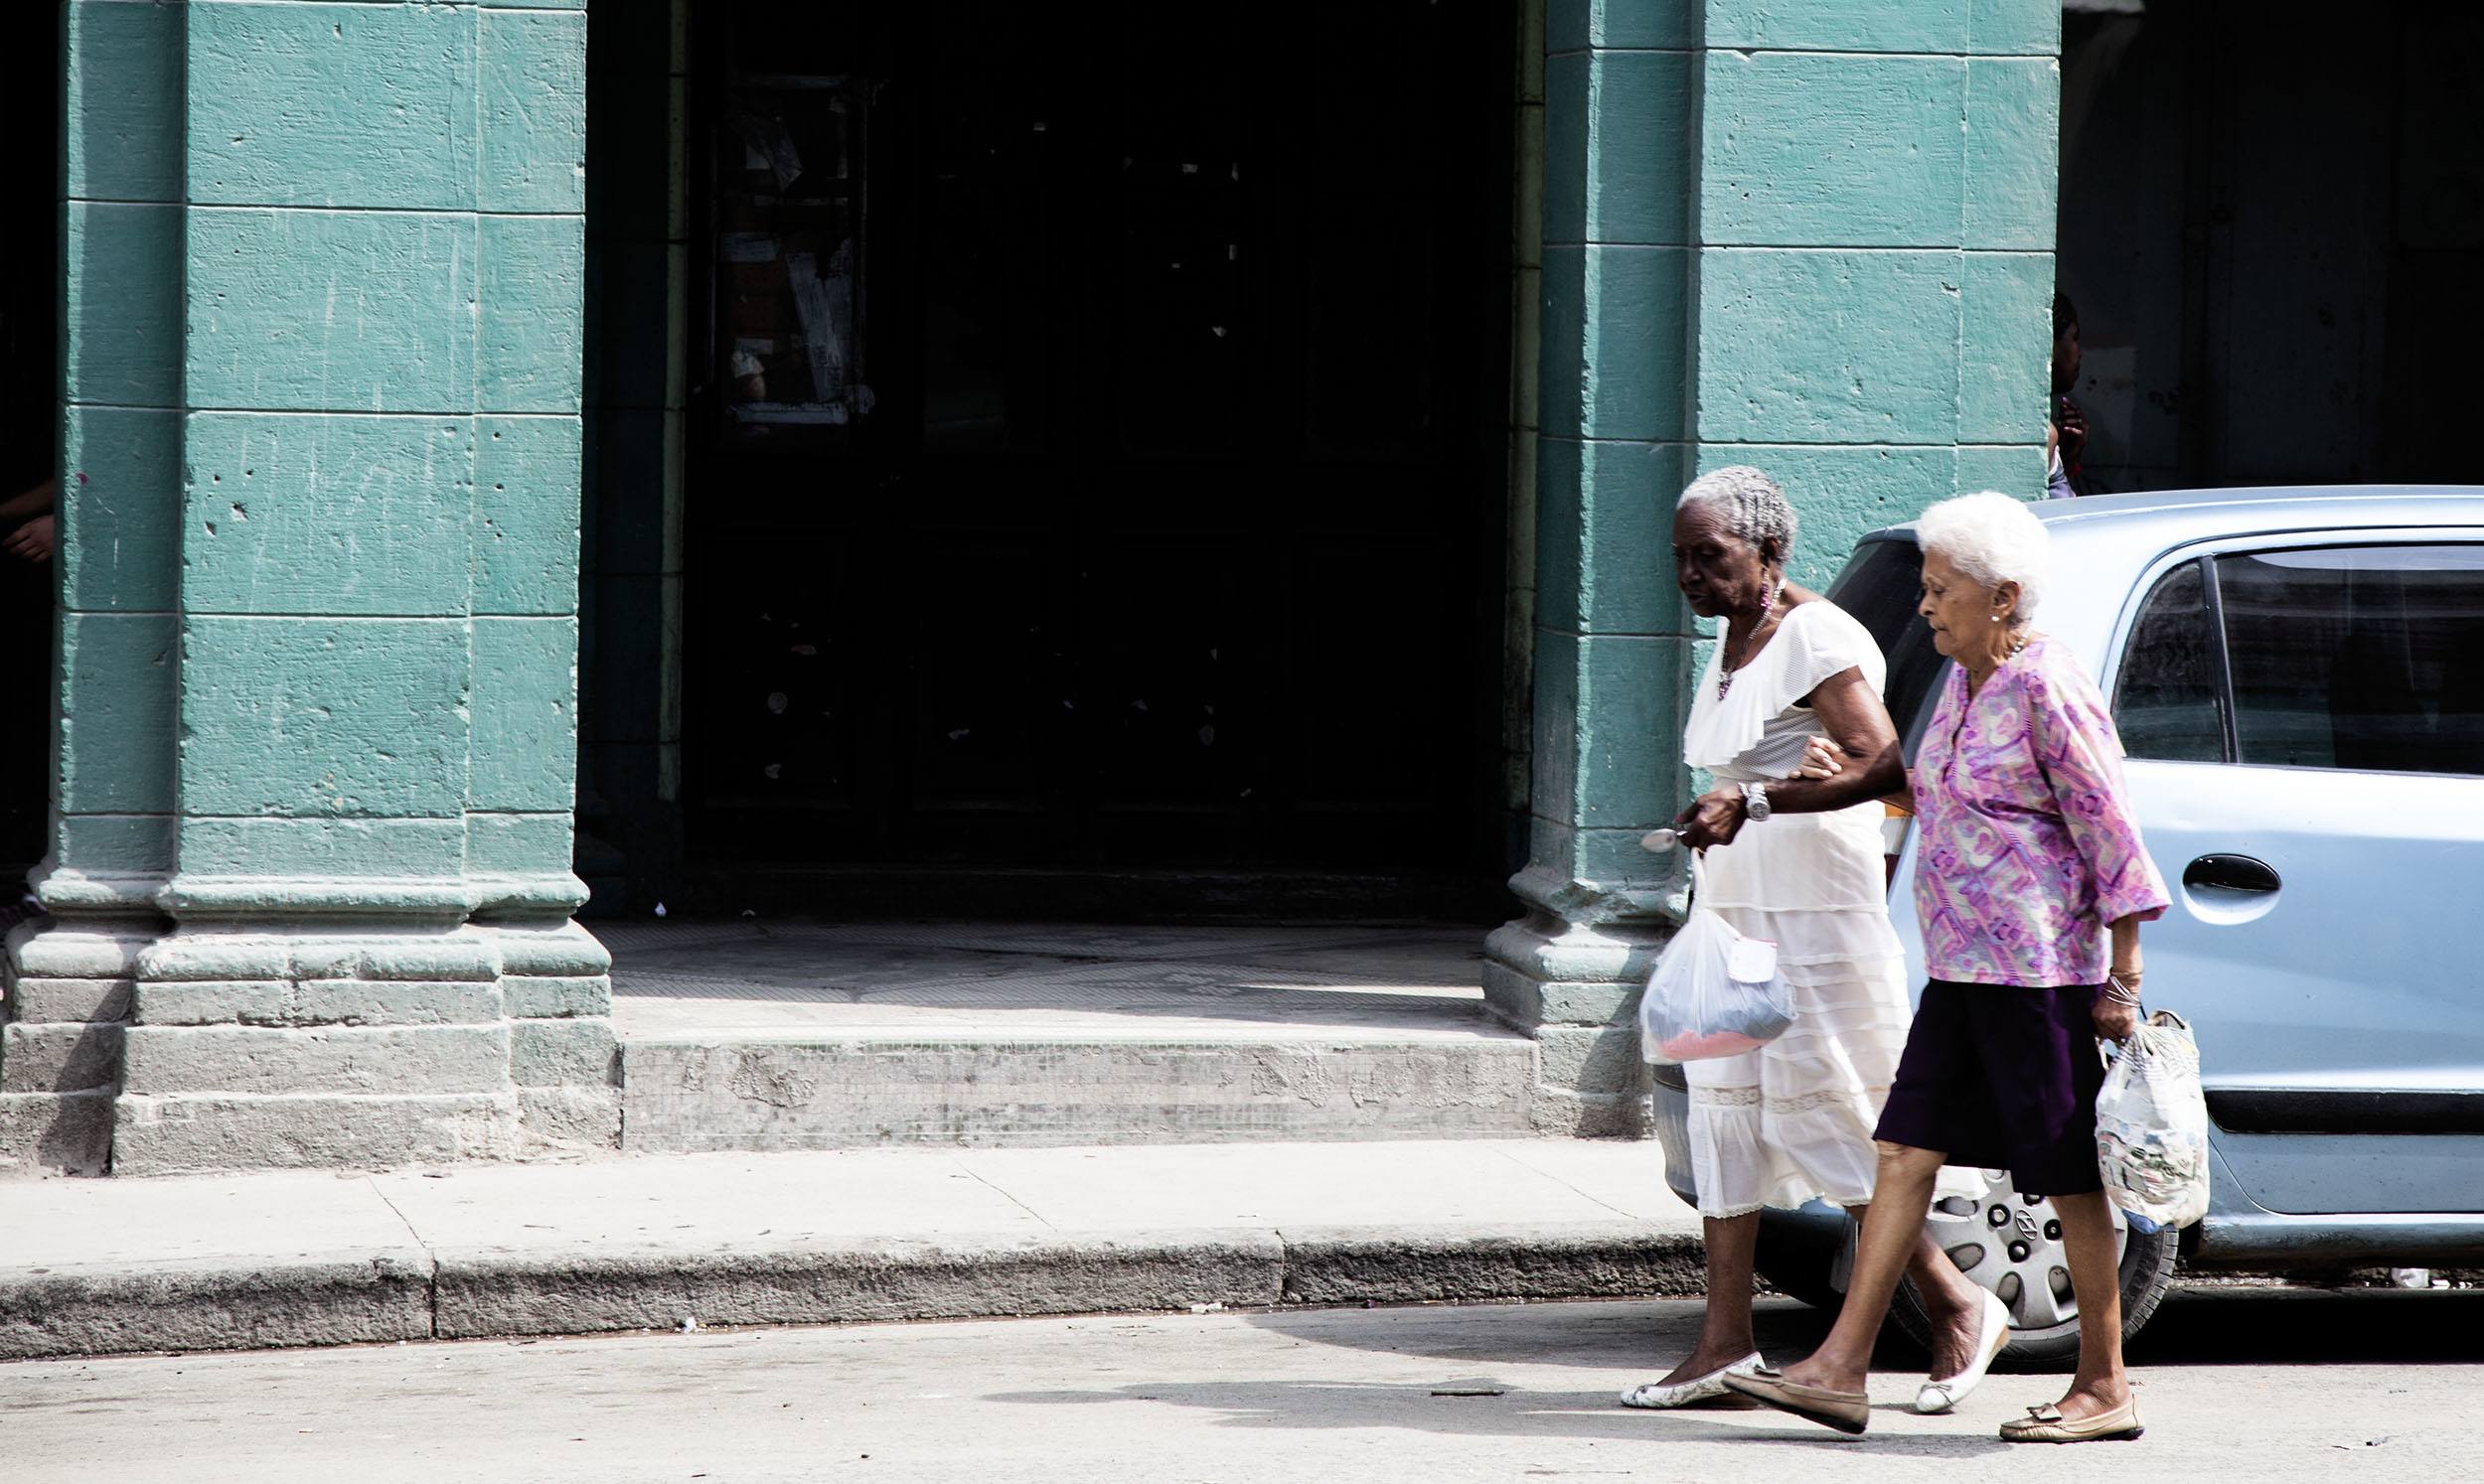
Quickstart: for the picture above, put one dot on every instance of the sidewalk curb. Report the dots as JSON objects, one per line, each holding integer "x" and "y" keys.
{"x": 414, "y": 1294}
{"x": 962, "y": 1277}
{"x": 1553, "y": 1259}
{"x": 337, "y": 1298}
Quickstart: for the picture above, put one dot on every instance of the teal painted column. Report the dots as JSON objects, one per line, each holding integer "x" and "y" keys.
{"x": 1811, "y": 236}
{"x": 115, "y": 674}
{"x": 1620, "y": 172}
{"x": 1874, "y": 271}
{"x": 349, "y": 747}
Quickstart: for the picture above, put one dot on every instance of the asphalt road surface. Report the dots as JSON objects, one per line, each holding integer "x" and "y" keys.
{"x": 2256, "y": 1384}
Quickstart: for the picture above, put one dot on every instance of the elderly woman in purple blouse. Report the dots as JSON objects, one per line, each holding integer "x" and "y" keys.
{"x": 2028, "y": 865}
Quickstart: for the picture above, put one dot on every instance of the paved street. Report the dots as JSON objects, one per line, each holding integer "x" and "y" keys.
{"x": 2265, "y": 1384}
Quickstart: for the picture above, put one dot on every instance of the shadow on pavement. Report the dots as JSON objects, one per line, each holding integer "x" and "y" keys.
{"x": 1484, "y": 1407}
{"x": 2313, "y": 1326}
{"x": 1482, "y": 1347}
{"x": 2196, "y": 1326}
{"x": 1596, "y": 1335}
{"x": 1483, "y": 1344}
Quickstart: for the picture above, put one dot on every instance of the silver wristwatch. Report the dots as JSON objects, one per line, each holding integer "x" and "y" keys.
{"x": 1755, "y": 801}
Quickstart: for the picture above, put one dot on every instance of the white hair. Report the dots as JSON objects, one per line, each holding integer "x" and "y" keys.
{"x": 1993, "y": 539}
{"x": 1754, "y": 508}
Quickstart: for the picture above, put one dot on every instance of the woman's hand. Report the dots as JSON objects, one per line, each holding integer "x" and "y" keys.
{"x": 2114, "y": 1021}
{"x": 1714, "y": 819}
{"x": 1821, "y": 758}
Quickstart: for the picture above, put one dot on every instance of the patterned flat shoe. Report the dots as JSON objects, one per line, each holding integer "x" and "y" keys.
{"x": 1657, "y": 1397}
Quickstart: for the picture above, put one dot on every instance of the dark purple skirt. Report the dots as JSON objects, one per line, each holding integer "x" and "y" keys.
{"x": 2002, "y": 1077}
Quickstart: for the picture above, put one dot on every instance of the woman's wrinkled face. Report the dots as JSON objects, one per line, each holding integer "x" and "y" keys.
{"x": 1719, "y": 572}
{"x": 1959, "y": 609}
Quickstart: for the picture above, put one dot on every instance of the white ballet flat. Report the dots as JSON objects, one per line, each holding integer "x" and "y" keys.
{"x": 1657, "y": 1396}
{"x": 1941, "y": 1395}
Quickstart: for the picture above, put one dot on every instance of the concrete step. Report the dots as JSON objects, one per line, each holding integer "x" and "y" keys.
{"x": 825, "y": 1036}
{"x": 682, "y": 1097}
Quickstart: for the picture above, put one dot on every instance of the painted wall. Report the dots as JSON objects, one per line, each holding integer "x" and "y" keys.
{"x": 322, "y": 362}
{"x": 319, "y": 630}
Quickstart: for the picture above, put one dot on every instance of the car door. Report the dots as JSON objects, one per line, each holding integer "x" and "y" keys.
{"x": 2305, "y": 723}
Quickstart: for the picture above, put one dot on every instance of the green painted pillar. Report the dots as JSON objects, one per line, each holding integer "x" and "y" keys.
{"x": 115, "y": 676}
{"x": 1812, "y": 237}
{"x": 317, "y": 768}
{"x": 1875, "y": 265}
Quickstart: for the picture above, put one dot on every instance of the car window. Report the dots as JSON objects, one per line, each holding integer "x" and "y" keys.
{"x": 1880, "y": 588}
{"x": 2166, "y": 702}
{"x": 2357, "y": 657}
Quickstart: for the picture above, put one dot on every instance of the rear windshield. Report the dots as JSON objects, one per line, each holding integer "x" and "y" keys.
{"x": 1881, "y": 587}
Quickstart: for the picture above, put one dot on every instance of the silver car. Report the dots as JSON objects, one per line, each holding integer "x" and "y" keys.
{"x": 2299, "y": 679}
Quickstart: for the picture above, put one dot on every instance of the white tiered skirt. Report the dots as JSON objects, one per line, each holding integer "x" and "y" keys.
{"x": 1793, "y": 1121}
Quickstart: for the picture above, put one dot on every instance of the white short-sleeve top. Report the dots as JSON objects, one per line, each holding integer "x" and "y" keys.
{"x": 1758, "y": 729}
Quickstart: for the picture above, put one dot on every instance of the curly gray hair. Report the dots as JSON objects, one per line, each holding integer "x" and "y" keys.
{"x": 1753, "y": 508}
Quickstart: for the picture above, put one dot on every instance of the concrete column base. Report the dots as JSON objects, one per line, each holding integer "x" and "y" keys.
{"x": 564, "y": 1060}
{"x": 1574, "y": 987}
{"x": 58, "y": 1133}
{"x": 61, "y": 1046}
{"x": 176, "y": 1134}
{"x": 240, "y": 1046}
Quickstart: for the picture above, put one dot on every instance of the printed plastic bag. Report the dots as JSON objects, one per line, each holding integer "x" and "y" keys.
{"x": 1714, "y": 993}
{"x": 2151, "y": 1126}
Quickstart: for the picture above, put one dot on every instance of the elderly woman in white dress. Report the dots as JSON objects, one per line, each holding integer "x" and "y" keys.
{"x": 1791, "y": 1122}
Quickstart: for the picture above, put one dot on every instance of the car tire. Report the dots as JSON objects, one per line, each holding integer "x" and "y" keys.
{"x": 2044, "y": 1326}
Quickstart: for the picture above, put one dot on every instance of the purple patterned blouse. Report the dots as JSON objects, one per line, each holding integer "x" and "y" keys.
{"x": 2028, "y": 848}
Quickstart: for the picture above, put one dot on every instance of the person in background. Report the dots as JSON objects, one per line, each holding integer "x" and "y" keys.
{"x": 1792, "y": 1121}
{"x": 33, "y": 529}
{"x": 2029, "y": 863}
{"x": 2066, "y": 431}
{"x": 27, "y": 532}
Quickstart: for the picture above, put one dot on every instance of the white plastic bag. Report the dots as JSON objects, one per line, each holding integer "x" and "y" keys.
{"x": 2151, "y": 1126}
{"x": 1714, "y": 993}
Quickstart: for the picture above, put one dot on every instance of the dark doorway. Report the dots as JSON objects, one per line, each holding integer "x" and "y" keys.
{"x": 2276, "y": 247}
{"x": 30, "y": 418}
{"x": 1090, "y": 460}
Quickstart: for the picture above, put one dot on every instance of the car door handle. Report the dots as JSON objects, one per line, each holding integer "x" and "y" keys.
{"x": 2230, "y": 873}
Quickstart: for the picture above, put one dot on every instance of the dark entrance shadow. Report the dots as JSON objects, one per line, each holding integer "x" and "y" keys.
{"x": 2259, "y": 1326}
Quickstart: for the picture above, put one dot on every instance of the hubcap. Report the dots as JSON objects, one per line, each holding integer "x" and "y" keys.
{"x": 2011, "y": 1245}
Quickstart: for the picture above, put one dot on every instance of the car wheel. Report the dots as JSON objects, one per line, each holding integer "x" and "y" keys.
{"x": 2011, "y": 1245}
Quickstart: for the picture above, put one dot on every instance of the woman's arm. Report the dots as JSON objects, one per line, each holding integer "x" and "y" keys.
{"x": 1854, "y": 716}
{"x": 1822, "y": 758}
{"x": 33, "y": 501}
{"x": 1859, "y": 724}
{"x": 2080, "y": 755}
{"x": 2117, "y": 1018}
